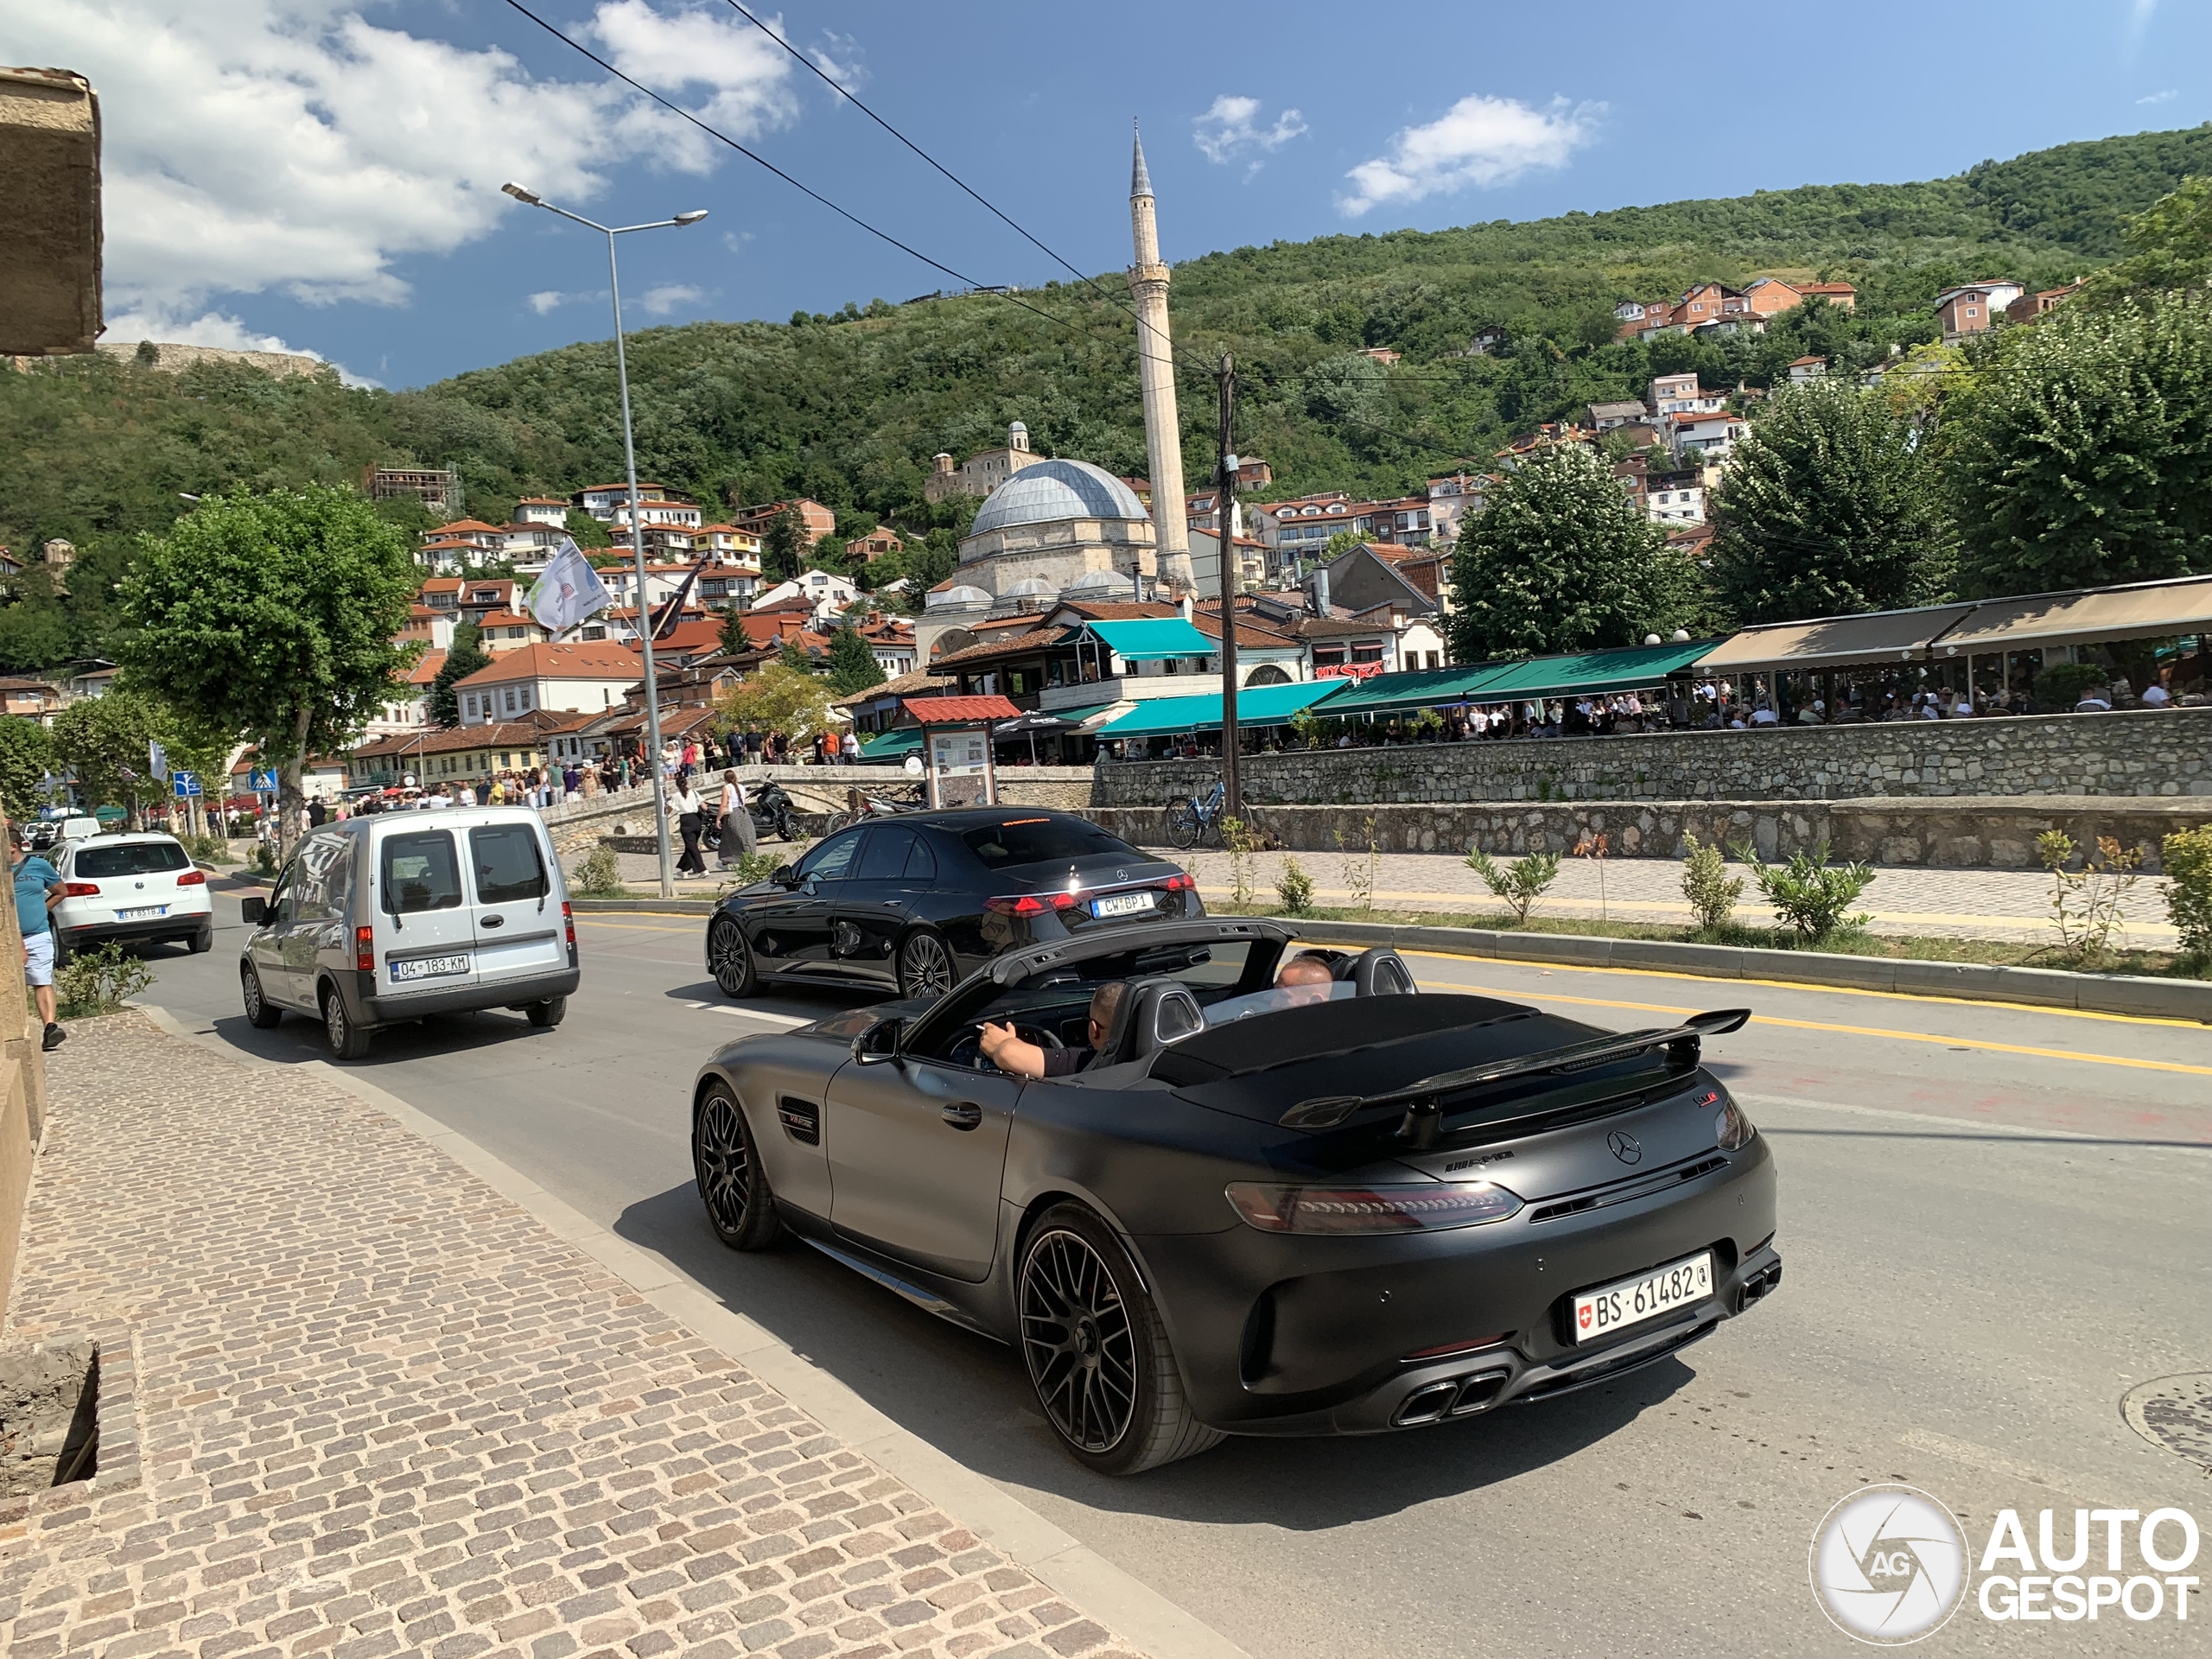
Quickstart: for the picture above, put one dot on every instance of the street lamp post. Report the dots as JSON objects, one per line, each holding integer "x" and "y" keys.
{"x": 637, "y": 522}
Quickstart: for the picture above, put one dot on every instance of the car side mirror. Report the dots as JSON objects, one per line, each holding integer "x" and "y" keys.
{"x": 879, "y": 1043}
{"x": 254, "y": 912}
{"x": 784, "y": 876}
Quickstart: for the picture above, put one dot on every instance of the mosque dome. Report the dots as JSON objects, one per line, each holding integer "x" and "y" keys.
{"x": 949, "y": 598}
{"x": 1049, "y": 492}
{"x": 1034, "y": 588}
{"x": 1100, "y": 584}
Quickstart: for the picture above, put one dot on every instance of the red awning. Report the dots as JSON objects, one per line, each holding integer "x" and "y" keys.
{"x": 958, "y": 711}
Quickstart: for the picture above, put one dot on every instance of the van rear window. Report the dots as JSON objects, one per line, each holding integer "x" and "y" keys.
{"x": 420, "y": 873}
{"x": 132, "y": 858}
{"x": 508, "y": 867}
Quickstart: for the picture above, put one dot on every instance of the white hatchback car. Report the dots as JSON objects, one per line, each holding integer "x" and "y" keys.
{"x": 144, "y": 889}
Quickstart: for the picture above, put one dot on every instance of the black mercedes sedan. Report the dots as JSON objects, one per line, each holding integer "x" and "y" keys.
{"x": 916, "y": 902}
{"x": 1271, "y": 1200}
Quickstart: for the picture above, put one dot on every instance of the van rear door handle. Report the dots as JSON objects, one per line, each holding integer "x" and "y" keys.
{"x": 492, "y": 921}
{"x": 963, "y": 1114}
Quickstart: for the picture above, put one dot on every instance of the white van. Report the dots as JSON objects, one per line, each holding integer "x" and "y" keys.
{"x": 391, "y": 917}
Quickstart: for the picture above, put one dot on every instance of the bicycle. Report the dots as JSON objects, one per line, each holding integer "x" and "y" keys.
{"x": 1190, "y": 825}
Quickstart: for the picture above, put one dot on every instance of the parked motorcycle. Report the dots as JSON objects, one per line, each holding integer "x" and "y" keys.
{"x": 772, "y": 815}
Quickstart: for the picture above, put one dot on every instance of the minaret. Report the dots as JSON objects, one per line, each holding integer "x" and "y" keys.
{"x": 1156, "y": 365}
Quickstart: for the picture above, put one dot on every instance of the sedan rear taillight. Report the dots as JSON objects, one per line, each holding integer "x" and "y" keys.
{"x": 193, "y": 878}
{"x": 1181, "y": 881}
{"x": 1028, "y": 903}
{"x": 1428, "y": 1207}
{"x": 80, "y": 890}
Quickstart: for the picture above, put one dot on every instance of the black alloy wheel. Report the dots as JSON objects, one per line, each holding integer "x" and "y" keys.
{"x": 1097, "y": 1351}
{"x": 731, "y": 1184}
{"x": 260, "y": 1012}
{"x": 729, "y": 958}
{"x": 924, "y": 965}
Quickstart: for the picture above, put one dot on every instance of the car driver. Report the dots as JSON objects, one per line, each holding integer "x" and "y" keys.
{"x": 1309, "y": 975}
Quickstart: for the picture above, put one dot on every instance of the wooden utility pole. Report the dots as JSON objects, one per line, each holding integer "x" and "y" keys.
{"x": 1225, "y": 498}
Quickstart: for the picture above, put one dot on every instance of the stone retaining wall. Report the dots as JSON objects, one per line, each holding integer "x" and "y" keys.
{"x": 1980, "y": 833}
{"x": 2136, "y": 753}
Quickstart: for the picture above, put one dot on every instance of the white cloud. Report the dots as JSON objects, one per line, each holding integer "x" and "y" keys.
{"x": 217, "y": 328}
{"x": 544, "y": 300}
{"x": 659, "y": 301}
{"x": 253, "y": 145}
{"x": 839, "y": 60}
{"x": 1479, "y": 141}
{"x": 2170, "y": 94}
{"x": 1231, "y": 128}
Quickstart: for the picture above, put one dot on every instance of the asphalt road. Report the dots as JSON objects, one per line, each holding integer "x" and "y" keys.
{"x": 1993, "y": 1224}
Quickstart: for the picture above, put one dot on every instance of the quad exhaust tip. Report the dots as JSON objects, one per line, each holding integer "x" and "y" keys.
{"x": 1457, "y": 1396}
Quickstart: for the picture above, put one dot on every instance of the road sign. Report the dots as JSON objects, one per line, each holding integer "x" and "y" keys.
{"x": 185, "y": 783}
{"x": 263, "y": 782}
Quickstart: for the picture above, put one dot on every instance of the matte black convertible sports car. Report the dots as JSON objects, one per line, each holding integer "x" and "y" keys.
{"x": 916, "y": 902}
{"x": 1334, "y": 1208}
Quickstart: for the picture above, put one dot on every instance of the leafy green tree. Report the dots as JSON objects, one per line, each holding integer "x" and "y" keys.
{"x": 1560, "y": 560}
{"x": 463, "y": 657}
{"x": 1339, "y": 544}
{"x": 272, "y": 617}
{"x": 105, "y": 740}
{"x": 777, "y": 698}
{"x": 587, "y": 531}
{"x": 2171, "y": 247}
{"x": 733, "y": 638}
{"x": 2082, "y": 454}
{"x": 1828, "y": 506}
{"x": 794, "y": 656}
{"x": 853, "y": 666}
{"x": 26, "y": 756}
{"x": 780, "y": 545}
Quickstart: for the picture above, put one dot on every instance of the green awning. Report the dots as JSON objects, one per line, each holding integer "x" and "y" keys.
{"x": 1154, "y": 639}
{"x": 1591, "y": 673}
{"x": 1427, "y": 688}
{"x": 892, "y": 744}
{"x": 1256, "y": 705}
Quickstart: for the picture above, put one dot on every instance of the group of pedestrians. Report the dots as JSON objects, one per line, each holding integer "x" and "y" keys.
{"x": 733, "y": 814}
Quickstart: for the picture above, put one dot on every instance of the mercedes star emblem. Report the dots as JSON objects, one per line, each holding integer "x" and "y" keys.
{"x": 1623, "y": 1147}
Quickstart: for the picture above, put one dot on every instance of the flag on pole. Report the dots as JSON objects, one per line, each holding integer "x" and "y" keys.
{"x": 666, "y": 618}
{"x": 570, "y": 591}
{"x": 157, "y": 761}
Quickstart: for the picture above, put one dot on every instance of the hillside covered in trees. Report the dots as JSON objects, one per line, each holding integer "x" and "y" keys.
{"x": 849, "y": 407}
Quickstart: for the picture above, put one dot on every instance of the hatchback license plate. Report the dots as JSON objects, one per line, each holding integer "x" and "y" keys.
{"x": 147, "y": 913}
{"x": 429, "y": 967}
{"x": 1629, "y": 1302}
{"x": 1121, "y": 903}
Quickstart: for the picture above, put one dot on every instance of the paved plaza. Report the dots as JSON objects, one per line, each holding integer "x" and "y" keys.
{"x": 384, "y": 1411}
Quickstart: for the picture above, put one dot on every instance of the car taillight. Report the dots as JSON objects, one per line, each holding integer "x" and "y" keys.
{"x": 1731, "y": 1130}
{"x": 1181, "y": 881}
{"x": 568, "y": 921}
{"x": 1429, "y": 1207}
{"x": 365, "y": 949}
{"x": 193, "y": 878}
{"x": 80, "y": 890}
{"x": 1029, "y": 904}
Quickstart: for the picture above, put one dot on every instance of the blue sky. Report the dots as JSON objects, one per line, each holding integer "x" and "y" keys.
{"x": 325, "y": 174}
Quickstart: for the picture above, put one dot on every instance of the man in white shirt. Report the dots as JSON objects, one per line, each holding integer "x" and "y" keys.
{"x": 737, "y": 824}
{"x": 851, "y": 748}
{"x": 2154, "y": 696}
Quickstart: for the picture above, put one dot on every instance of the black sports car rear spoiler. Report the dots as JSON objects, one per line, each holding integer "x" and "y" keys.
{"x": 1424, "y": 1101}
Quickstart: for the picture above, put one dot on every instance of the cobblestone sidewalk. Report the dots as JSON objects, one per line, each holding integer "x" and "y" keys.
{"x": 383, "y": 1411}
{"x": 2005, "y": 904}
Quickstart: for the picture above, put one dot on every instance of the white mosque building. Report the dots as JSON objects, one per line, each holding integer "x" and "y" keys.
{"x": 1059, "y": 528}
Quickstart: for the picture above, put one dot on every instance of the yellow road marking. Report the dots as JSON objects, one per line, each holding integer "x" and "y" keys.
{"x": 1782, "y": 985}
{"x": 1980, "y": 1044}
